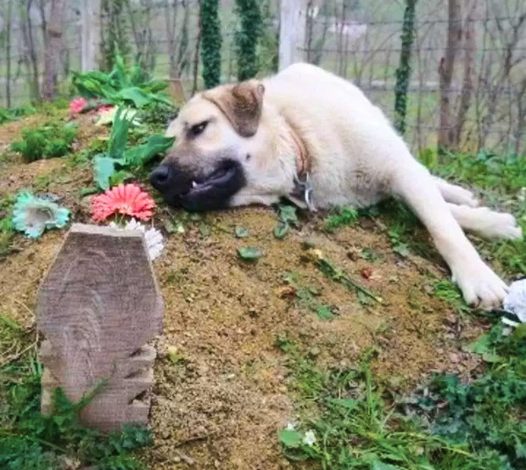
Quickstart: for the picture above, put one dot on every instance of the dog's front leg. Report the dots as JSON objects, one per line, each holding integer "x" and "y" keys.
{"x": 479, "y": 284}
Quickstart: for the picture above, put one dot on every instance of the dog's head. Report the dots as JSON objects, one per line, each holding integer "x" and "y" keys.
{"x": 215, "y": 135}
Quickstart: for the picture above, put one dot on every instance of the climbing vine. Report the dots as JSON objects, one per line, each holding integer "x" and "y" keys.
{"x": 247, "y": 37}
{"x": 210, "y": 42}
{"x": 115, "y": 39}
{"x": 403, "y": 72}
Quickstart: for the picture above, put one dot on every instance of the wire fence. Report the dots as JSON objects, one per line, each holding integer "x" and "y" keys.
{"x": 356, "y": 39}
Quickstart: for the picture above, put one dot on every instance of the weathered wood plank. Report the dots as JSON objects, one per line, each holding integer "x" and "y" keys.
{"x": 97, "y": 308}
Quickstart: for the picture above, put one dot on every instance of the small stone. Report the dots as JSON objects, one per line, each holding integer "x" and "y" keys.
{"x": 454, "y": 358}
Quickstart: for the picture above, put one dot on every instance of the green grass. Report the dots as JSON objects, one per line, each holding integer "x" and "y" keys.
{"x": 446, "y": 425}
{"x": 308, "y": 297}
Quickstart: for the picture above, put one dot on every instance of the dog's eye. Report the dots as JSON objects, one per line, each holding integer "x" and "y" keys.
{"x": 198, "y": 129}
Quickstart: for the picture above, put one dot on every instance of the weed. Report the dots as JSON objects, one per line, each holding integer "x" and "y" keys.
{"x": 341, "y": 217}
{"x": 12, "y": 114}
{"x": 446, "y": 290}
{"x": 7, "y": 231}
{"x": 307, "y": 297}
{"x": 241, "y": 232}
{"x": 47, "y": 141}
{"x": 488, "y": 412}
{"x": 365, "y": 296}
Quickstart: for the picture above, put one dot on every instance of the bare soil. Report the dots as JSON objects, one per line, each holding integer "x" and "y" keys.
{"x": 222, "y": 386}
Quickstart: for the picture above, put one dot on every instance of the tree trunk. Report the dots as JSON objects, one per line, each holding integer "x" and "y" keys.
{"x": 8, "y": 27}
{"x": 469, "y": 69}
{"x": 446, "y": 130}
{"x": 170, "y": 17}
{"x": 30, "y": 59}
{"x": 53, "y": 49}
{"x": 90, "y": 34}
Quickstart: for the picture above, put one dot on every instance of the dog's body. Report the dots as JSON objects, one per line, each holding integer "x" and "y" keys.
{"x": 248, "y": 143}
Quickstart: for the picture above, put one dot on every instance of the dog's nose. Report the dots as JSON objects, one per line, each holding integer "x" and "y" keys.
{"x": 162, "y": 177}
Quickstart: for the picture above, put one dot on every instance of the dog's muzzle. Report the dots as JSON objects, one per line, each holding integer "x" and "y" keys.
{"x": 199, "y": 192}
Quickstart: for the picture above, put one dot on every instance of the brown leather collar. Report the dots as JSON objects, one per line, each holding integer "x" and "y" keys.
{"x": 302, "y": 156}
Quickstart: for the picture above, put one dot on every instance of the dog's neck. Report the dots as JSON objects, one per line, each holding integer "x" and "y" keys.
{"x": 288, "y": 155}
{"x": 287, "y": 143}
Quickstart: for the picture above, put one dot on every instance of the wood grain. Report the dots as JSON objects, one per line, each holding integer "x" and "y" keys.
{"x": 97, "y": 308}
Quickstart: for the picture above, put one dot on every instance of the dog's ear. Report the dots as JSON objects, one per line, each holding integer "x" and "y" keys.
{"x": 241, "y": 104}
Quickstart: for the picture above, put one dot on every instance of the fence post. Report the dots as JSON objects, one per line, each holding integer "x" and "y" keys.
{"x": 293, "y": 19}
{"x": 97, "y": 308}
{"x": 90, "y": 34}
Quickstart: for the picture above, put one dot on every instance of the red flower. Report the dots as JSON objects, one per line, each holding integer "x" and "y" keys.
{"x": 77, "y": 105}
{"x": 126, "y": 199}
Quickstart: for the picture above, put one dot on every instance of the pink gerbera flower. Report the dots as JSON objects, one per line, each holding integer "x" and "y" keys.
{"x": 77, "y": 105}
{"x": 125, "y": 199}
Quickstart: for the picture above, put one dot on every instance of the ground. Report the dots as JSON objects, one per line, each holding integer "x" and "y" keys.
{"x": 222, "y": 386}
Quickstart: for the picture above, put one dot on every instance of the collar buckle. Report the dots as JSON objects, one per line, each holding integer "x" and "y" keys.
{"x": 303, "y": 188}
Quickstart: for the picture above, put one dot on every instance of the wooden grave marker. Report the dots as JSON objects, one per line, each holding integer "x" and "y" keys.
{"x": 97, "y": 308}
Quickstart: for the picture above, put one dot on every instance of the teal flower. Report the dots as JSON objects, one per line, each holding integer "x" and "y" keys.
{"x": 32, "y": 215}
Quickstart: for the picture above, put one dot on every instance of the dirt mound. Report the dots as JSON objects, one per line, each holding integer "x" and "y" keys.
{"x": 221, "y": 388}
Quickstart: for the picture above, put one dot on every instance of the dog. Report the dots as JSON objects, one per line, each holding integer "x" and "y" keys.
{"x": 314, "y": 138}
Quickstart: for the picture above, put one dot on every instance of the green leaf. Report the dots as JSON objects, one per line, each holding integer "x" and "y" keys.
{"x": 241, "y": 232}
{"x": 324, "y": 312}
{"x": 402, "y": 249}
{"x": 287, "y": 214}
{"x": 120, "y": 177}
{"x": 379, "y": 465}
{"x": 290, "y": 438}
{"x": 249, "y": 253}
{"x": 103, "y": 169}
{"x": 142, "y": 154}
{"x": 281, "y": 230}
{"x": 119, "y": 133}
{"x": 137, "y": 96}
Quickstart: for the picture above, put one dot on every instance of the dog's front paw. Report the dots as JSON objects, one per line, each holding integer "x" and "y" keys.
{"x": 480, "y": 286}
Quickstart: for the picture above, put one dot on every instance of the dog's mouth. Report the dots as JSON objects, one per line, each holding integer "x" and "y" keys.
{"x": 214, "y": 190}
{"x": 219, "y": 177}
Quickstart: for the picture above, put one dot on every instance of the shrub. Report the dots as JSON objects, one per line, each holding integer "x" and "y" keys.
{"x": 48, "y": 141}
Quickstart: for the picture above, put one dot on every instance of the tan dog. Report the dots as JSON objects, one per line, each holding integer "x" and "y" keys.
{"x": 314, "y": 138}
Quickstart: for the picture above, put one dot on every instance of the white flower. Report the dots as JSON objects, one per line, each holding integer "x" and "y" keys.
{"x": 153, "y": 237}
{"x": 515, "y": 300}
{"x": 309, "y": 438}
{"x": 291, "y": 426}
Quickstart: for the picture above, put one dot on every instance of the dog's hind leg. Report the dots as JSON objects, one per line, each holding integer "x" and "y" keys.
{"x": 485, "y": 222}
{"x": 456, "y": 194}
{"x": 414, "y": 184}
